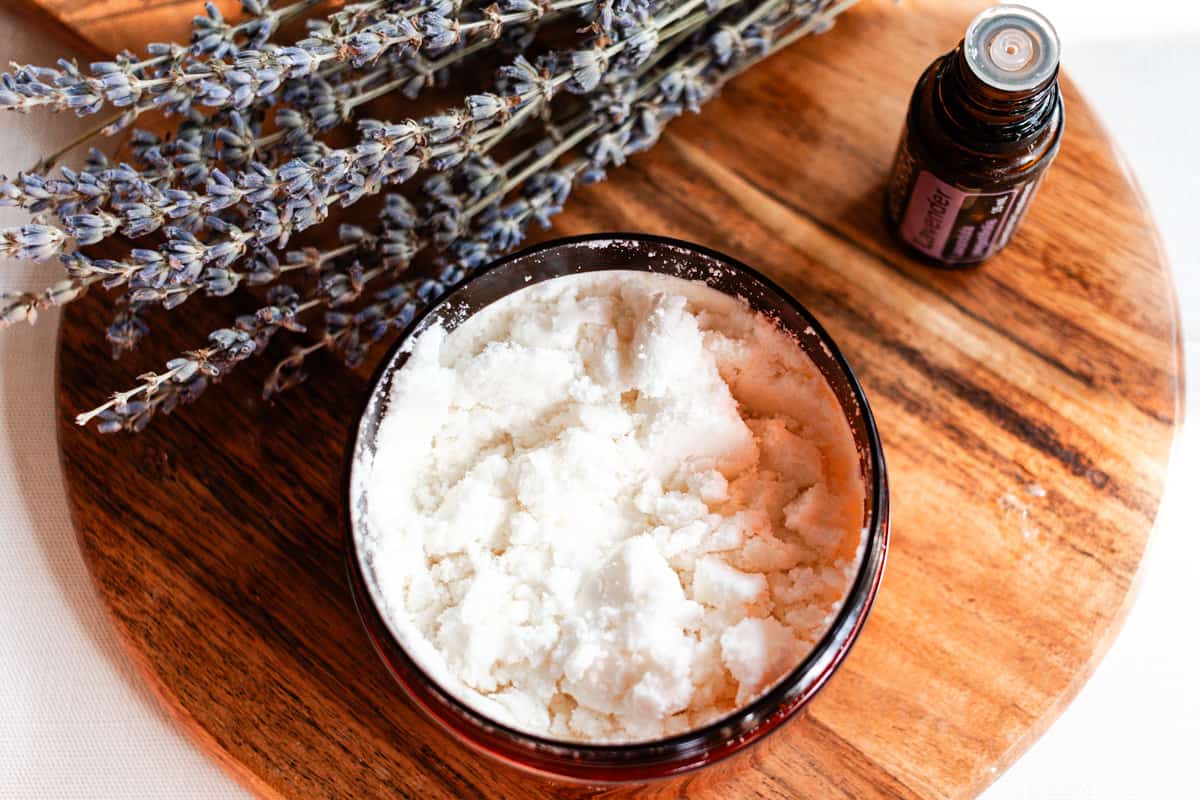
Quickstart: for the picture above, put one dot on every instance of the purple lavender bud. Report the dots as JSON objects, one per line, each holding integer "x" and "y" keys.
{"x": 430, "y": 290}
{"x": 441, "y": 127}
{"x": 268, "y": 81}
{"x": 176, "y": 297}
{"x": 264, "y": 268}
{"x": 439, "y": 31}
{"x": 471, "y": 253}
{"x": 304, "y": 212}
{"x": 258, "y": 183}
{"x": 238, "y": 77}
{"x": 289, "y": 118}
{"x": 504, "y": 233}
{"x": 88, "y": 186}
{"x": 182, "y": 247}
{"x": 366, "y": 46}
{"x": 219, "y": 282}
{"x": 299, "y": 178}
{"x": 403, "y": 137}
{"x": 487, "y": 108}
{"x": 179, "y": 204}
{"x": 726, "y": 43}
{"x": 640, "y": 46}
{"x": 223, "y": 338}
{"x": 10, "y": 195}
{"x": 451, "y": 274}
{"x": 211, "y": 93}
{"x": 587, "y": 68}
{"x": 445, "y": 226}
{"x": 609, "y": 149}
{"x": 90, "y": 228}
{"x": 556, "y": 182}
{"x": 224, "y": 253}
{"x": 144, "y": 256}
{"x": 37, "y": 186}
{"x": 451, "y": 157}
{"x": 406, "y": 314}
{"x": 267, "y": 225}
{"x": 671, "y": 85}
{"x": 402, "y": 168}
{"x": 242, "y": 97}
{"x": 438, "y": 189}
{"x": 398, "y": 213}
{"x": 351, "y": 234}
{"x": 352, "y": 187}
{"x": 184, "y": 368}
{"x": 522, "y": 77}
{"x": 398, "y": 248}
{"x": 369, "y": 154}
{"x": 138, "y": 219}
{"x": 126, "y": 331}
{"x": 297, "y": 61}
{"x": 335, "y": 166}
{"x": 192, "y": 389}
{"x": 591, "y": 175}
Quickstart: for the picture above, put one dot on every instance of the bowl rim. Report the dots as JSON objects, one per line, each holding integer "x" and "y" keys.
{"x": 680, "y": 752}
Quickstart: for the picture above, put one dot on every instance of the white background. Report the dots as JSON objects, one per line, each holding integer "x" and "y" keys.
{"x": 75, "y": 722}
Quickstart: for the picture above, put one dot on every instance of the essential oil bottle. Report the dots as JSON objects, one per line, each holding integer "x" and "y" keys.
{"x": 984, "y": 123}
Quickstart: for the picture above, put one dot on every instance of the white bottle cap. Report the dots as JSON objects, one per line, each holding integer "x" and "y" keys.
{"x": 1012, "y": 48}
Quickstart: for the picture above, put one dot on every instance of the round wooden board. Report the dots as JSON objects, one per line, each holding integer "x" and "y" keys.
{"x": 1027, "y": 410}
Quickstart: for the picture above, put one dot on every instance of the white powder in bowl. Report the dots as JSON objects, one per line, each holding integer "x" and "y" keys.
{"x": 610, "y": 507}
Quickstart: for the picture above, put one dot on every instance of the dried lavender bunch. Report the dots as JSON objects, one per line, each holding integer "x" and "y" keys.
{"x": 188, "y": 375}
{"x": 64, "y": 88}
{"x": 261, "y": 185}
{"x": 250, "y": 163}
{"x": 306, "y": 108}
{"x": 174, "y": 79}
{"x": 299, "y": 194}
{"x": 213, "y": 38}
{"x": 622, "y": 123}
{"x": 118, "y": 197}
{"x": 164, "y": 79}
{"x": 96, "y": 202}
{"x": 639, "y": 111}
{"x": 226, "y": 138}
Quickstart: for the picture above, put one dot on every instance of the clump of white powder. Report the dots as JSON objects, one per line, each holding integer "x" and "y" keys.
{"x": 611, "y": 507}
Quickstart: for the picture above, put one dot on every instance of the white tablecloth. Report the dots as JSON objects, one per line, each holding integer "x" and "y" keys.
{"x": 75, "y": 721}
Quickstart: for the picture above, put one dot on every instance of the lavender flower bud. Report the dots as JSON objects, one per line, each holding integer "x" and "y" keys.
{"x": 523, "y": 78}
{"x": 34, "y": 242}
{"x": 587, "y": 67}
{"x": 487, "y": 108}
{"x": 439, "y": 31}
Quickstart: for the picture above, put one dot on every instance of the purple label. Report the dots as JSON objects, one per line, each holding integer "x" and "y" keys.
{"x": 932, "y": 209}
{"x": 958, "y": 226}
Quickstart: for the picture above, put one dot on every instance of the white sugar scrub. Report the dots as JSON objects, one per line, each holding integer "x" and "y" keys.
{"x": 610, "y": 507}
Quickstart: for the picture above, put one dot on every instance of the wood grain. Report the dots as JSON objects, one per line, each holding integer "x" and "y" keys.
{"x": 214, "y": 541}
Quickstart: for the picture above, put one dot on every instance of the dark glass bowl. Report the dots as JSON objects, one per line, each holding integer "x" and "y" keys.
{"x": 615, "y": 763}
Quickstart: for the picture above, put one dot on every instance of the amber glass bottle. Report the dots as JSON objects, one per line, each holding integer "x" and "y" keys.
{"x": 983, "y": 125}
